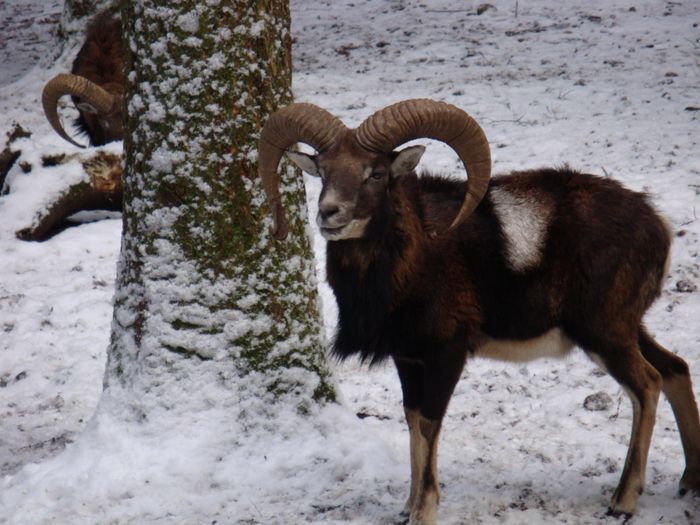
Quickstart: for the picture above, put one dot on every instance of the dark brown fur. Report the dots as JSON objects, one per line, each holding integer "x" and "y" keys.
{"x": 426, "y": 296}
{"x": 100, "y": 60}
{"x": 605, "y": 253}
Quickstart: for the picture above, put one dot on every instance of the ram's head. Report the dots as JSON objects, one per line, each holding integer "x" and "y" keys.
{"x": 357, "y": 165}
{"x": 96, "y": 85}
{"x": 101, "y": 117}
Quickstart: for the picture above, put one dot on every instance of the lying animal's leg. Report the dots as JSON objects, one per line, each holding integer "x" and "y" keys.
{"x": 411, "y": 376}
{"x": 678, "y": 389}
{"x": 642, "y": 383}
{"x": 441, "y": 375}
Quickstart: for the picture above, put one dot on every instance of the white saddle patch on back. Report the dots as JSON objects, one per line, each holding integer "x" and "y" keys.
{"x": 524, "y": 219}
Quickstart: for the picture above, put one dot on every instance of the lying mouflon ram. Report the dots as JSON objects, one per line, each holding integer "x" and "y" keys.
{"x": 428, "y": 271}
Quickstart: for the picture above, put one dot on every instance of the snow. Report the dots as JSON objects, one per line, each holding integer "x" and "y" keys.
{"x": 603, "y": 87}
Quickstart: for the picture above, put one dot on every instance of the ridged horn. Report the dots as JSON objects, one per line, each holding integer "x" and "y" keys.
{"x": 300, "y": 122}
{"x": 417, "y": 118}
{"x": 66, "y": 84}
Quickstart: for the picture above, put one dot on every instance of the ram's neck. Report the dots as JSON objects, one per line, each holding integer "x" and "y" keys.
{"x": 391, "y": 251}
{"x": 371, "y": 276}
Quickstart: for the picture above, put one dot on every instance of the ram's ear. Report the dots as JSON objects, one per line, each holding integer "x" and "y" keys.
{"x": 304, "y": 162}
{"x": 87, "y": 107}
{"x": 406, "y": 160}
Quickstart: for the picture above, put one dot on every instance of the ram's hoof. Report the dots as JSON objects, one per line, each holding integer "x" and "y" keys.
{"x": 619, "y": 514}
{"x": 690, "y": 482}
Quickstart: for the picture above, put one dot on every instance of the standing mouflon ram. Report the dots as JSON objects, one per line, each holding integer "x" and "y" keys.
{"x": 429, "y": 271}
{"x": 96, "y": 85}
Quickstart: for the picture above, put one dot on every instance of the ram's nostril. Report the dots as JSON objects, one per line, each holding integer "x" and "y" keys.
{"x": 327, "y": 212}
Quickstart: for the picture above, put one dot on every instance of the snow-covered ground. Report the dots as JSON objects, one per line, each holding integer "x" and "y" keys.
{"x": 610, "y": 87}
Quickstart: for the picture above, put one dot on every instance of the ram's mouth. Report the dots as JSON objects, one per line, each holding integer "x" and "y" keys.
{"x": 332, "y": 234}
{"x": 352, "y": 230}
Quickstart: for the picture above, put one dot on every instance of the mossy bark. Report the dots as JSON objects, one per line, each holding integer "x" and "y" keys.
{"x": 202, "y": 79}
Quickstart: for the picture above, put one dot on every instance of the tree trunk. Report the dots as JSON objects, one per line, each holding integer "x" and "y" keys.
{"x": 202, "y": 288}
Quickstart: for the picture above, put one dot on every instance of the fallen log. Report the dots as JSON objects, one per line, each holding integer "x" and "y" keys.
{"x": 101, "y": 189}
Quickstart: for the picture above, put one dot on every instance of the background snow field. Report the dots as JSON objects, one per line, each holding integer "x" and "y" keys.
{"x": 610, "y": 87}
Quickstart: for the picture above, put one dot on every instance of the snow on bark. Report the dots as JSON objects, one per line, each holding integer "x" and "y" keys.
{"x": 202, "y": 287}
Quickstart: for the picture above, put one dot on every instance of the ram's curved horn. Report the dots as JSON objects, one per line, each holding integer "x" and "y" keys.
{"x": 411, "y": 119}
{"x": 66, "y": 84}
{"x": 294, "y": 123}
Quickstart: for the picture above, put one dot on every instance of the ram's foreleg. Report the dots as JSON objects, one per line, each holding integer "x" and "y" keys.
{"x": 427, "y": 388}
{"x": 411, "y": 376}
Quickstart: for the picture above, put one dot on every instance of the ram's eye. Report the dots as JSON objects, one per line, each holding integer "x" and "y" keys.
{"x": 378, "y": 174}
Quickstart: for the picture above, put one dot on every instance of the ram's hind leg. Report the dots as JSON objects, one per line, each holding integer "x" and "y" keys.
{"x": 678, "y": 389}
{"x": 642, "y": 383}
